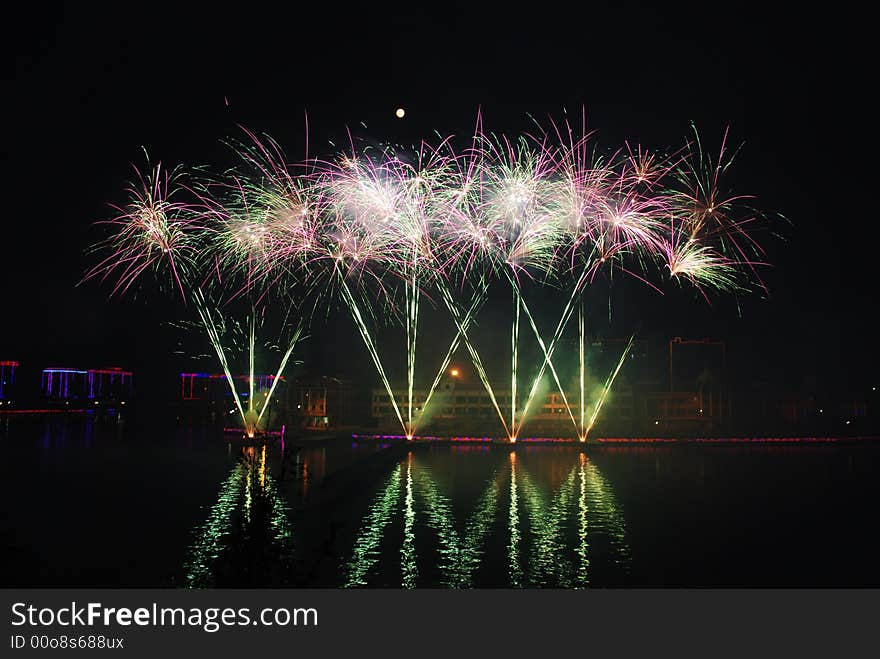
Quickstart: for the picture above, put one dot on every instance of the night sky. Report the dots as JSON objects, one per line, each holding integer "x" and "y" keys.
{"x": 86, "y": 88}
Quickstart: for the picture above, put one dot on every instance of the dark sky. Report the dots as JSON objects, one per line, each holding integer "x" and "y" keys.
{"x": 85, "y": 88}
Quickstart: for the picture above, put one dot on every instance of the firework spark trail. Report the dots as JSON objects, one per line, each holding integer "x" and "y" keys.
{"x": 214, "y": 336}
{"x": 251, "y": 425}
{"x": 152, "y": 231}
{"x": 582, "y": 367}
{"x": 193, "y": 240}
{"x": 549, "y": 362}
{"x": 560, "y": 327}
{"x": 506, "y": 206}
{"x": 514, "y": 342}
{"x": 706, "y": 210}
{"x": 294, "y": 340}
{"x": 607, "y": 387}
{"x": 547, "y": 359}
{"x": 251, "y": 360}
{"x": 475, "y": 356}
{"x": 700, "y": 264}
{"x": 453, "y": 346}
{"x": 412, "y": 308}
{"x": 371, "y": 347}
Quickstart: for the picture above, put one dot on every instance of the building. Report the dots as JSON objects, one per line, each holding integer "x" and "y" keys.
{"x": 457, "y": 409}
{"x": 64, "y": 385}
{"x": 323, "y": 401}
{"x": 99, "y": 386}
{"x": 696, "y": 365}
{"x": 109, "y": 385}
{"x": 215, "y": 386}
{"x": 7, "y": 382}
{"x": 211, "y": 393}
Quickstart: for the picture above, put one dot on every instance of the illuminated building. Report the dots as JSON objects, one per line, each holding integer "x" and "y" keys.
{"x": 212, "y": 389}
{"x": 109, "y": 384}
{"x": 7, "y": 382}
{"x": 469, "y": 410}
{"x": 64, "y": 384}
{"x": 453, "y": 405}
{"x": 100, "y": 385}
{"x": 214, "y": 386}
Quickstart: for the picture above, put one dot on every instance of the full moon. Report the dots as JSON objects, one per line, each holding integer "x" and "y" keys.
{"x": 400, "y": 112}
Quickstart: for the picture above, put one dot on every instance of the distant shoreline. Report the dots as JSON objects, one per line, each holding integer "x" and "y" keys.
{"x": 612, "y": 441}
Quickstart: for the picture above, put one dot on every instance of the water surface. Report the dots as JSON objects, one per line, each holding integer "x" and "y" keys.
{"x": 92, "y": 501}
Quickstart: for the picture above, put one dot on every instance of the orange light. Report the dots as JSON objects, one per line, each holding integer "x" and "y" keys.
{"x": 454, "y": 372}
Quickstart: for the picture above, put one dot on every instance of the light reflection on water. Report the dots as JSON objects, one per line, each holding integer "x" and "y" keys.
{"x": 366, "y": 552}
{"x": 442, "y": 517}
{"x": 247, "y": 529}
{"x": 549, "y": 530}
{"x": 186, "y": 506}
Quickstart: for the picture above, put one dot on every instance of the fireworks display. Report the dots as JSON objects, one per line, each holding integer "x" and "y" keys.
{"x": 383, "y": 229}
